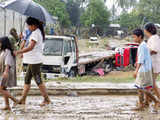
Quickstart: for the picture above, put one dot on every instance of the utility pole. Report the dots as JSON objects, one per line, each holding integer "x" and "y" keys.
{"x": 13, "y": 19}
{"x": 21, "y": 26}
{"x": 5, "y": 22}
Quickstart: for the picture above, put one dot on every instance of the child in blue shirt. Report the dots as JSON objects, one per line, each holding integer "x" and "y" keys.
{"x": 25, "y": 38}
{"x": 143, "y": 72}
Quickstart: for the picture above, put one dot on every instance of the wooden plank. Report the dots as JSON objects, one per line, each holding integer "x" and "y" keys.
{"x": 88, "y": 60}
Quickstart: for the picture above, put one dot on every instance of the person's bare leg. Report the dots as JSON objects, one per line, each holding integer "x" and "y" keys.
{"x": 148, "y": 93}
{"x": 7, "y": 106}
{"x": 140, "y": 102}
{"x": 2, "y": 90}
{"x": 146, "y": 101}
{"x": 7, "y": 94}
{"x": 155, "y": 88}
{"x": 24, "y": 94}
{"x": 44, "y": 94}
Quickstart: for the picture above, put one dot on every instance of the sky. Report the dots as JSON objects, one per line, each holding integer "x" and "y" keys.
{"x": 109, "y": 4}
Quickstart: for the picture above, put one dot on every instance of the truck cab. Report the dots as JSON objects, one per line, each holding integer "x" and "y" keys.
{"x": 60, "y": 56}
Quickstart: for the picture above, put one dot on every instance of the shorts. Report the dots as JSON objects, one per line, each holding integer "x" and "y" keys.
{"x": 33, "y": 70}
{"x": 144, "y": 80}
{"x": 145, "y": 88}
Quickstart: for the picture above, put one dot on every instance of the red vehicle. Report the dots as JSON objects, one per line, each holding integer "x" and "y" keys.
{"x": 126, "y": 55}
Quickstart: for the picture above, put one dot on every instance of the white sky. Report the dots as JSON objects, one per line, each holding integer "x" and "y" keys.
{"x": 109, "y": 4}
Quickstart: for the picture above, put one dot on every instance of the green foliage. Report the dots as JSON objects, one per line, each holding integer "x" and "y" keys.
{"x": 96, "y": 13}
{"x": 150, "y": 9}
{"x": 130, "y": 20}
{"x": 57, "y": 8}
{"x": 145, "y": 11}
{"x": 126, "y": 4}
{"x": 73, "y": 8}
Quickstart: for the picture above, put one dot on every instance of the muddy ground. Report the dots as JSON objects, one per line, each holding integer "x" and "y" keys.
{"x": 80, "y": 108}
{"x": 84, "y": 45}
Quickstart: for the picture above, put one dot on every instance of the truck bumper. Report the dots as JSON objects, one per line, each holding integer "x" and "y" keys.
{"x": 52, "y": 75}
{"x": 47, "y": 75}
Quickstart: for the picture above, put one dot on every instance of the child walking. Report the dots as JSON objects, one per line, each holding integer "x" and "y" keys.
{"x": 153, "y": 42}
{"x": 7, "y": 70}
{"x": 143, "y": 72}
{"x": 32, "y": 57}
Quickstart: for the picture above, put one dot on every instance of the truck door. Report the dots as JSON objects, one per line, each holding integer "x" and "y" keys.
{"x": 67, "y": 51}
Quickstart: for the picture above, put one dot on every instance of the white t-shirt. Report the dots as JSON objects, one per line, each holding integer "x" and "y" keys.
{"x": 154, "y": 44}
{"x": 35, "y": 55}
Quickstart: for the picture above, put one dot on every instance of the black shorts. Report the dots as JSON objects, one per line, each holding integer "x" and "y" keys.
{"x": 33, "y": 70}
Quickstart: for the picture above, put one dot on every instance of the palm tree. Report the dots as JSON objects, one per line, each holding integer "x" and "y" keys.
{"x": 126, "y": 4}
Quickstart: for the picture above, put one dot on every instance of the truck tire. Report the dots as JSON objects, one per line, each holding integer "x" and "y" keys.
{"x": 72, "y": 73}
{"x": 108, "y": 68}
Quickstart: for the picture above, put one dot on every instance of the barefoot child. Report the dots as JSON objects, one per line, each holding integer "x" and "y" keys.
{"x": 153, "y": 42}
{"x": 7, "y": 70}
{"x": 33, "y": 55}
{"x": 143, "y": 73}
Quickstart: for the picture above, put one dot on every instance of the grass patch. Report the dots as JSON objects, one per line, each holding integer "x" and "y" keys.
{"x": 103, "y": 43}
{"x": 113, "y": 77}
{"x": 95, "y": 79}
{"x": 85, "y": 46}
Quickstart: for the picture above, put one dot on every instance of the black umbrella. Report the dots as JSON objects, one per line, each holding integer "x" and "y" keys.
{"x": 29, "y": 8}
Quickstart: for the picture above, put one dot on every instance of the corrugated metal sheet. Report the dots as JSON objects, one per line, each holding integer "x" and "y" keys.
{"x": 12, "y": 20}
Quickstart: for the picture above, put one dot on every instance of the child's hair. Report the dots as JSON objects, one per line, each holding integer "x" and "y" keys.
{"x": 6, "y": 45}
{"x": 34, "y": 21}
{"x": 151, "y": 28}
{"x": 138, "y": 32}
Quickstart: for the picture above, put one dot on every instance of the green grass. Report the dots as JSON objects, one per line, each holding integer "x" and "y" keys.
{"x": 120, "y": 77}
{"x": 95, "y": 79}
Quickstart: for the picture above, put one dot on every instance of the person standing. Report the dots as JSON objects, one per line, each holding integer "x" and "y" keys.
{"x": 33, "y": 54}
{"x": 7, "y": 70}
{"x": 153, "y": 45}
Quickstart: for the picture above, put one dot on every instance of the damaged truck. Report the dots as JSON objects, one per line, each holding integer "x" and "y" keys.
{"x": 61, "y": 58}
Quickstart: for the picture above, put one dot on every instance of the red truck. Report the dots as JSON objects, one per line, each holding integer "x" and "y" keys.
{"x": 126, "y": 55}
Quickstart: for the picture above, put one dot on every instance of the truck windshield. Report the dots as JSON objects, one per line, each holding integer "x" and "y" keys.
{"x": 53, "y": 47}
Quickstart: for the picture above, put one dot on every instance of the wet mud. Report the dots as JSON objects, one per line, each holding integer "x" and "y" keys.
{"x": 79, "y": 108}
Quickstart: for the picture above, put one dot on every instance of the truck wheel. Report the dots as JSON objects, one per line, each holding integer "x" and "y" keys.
{"x": 72, "y": 73}
{"x": 108, "y": 68}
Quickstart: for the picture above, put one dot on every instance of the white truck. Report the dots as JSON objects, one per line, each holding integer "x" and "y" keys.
{"x": 61, "y": 58}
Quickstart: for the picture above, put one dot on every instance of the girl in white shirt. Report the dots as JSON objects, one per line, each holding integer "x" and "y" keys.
{"x": 153, "y": 44}
{"x": 33, "y": 54}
